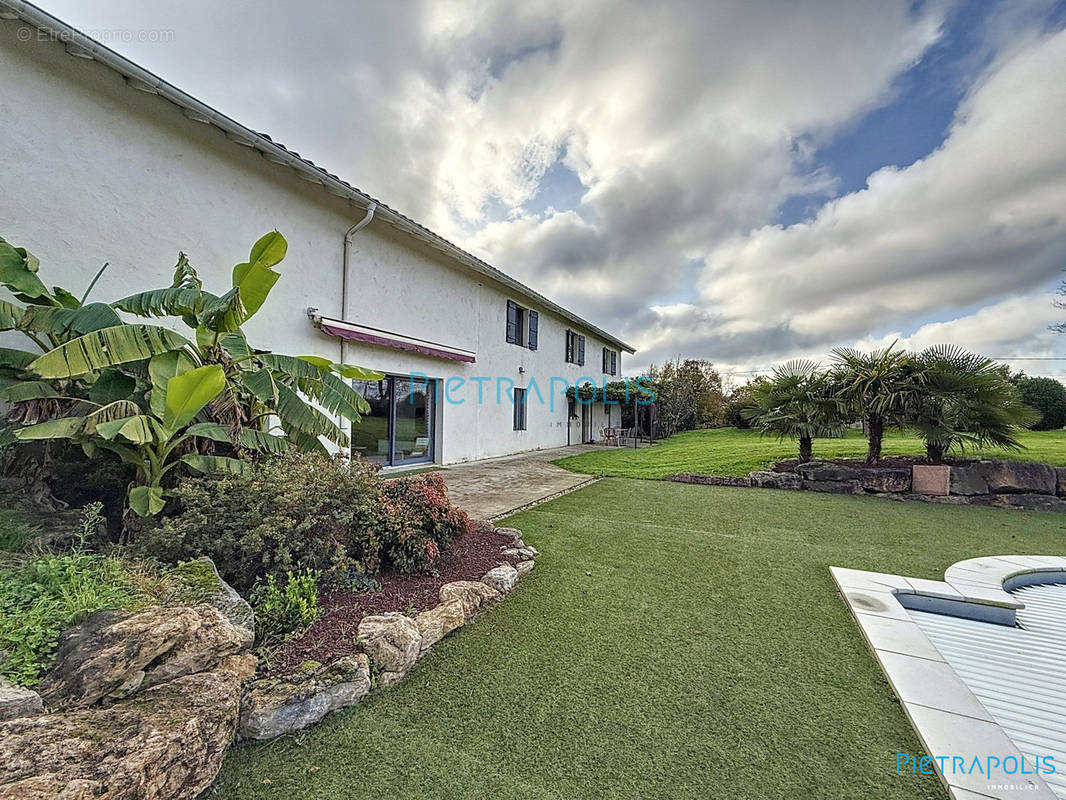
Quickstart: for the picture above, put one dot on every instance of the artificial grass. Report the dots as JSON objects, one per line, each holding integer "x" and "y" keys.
{"x": 729, "y": 451}
{"x": 674, "y": 641}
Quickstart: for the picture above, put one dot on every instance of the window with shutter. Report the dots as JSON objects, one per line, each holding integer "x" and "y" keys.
{"x": 581, "y": 351}
{"x": 614, "y": 362}
{"x": 534, "y": 320}
{"x": 570, "y": 355}
{"x": 512, "y": 322}
{"x": 605, "y": 361}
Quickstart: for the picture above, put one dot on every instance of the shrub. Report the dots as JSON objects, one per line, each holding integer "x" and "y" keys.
{"x": 291, "y": 512}
{"x": 306, "y": 511}
{"x": 283, "y": 609}
{"x": 39, "y": 598}
{"x": 1048, "y": 397}
{"x": 419, "y": 522}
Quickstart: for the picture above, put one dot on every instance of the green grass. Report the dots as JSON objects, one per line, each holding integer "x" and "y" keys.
{"x": 674, "y": 641}
{"x": 16, "y": 528}
{"x": 728, "y": 451}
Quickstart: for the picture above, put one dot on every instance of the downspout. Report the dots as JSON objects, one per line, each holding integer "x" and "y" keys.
{"x": 345, "y": 423}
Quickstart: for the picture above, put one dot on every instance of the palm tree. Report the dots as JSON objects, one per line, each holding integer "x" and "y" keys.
{"x": 795, "y": 404}
{"x": 967, "y": 401}
{"x": 881, "y": 387}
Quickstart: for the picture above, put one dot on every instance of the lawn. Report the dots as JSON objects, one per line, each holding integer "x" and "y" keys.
{"x": 728, "y": 451}
{"x": 674, "y": 641}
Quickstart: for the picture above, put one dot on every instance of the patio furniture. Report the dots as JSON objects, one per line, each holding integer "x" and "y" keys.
{"x": 609, "y": 436}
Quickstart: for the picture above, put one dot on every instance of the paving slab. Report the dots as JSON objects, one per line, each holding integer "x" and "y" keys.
{"x": 495, "y": 487}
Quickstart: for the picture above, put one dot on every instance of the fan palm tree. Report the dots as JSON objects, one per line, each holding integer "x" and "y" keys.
{"x": 795, "y": 403}
{"x": 967, "y": 401}
{"x": 881, "y": 387}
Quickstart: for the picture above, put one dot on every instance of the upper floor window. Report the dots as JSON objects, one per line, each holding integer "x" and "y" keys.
{"x": 522, "y": 324}
{"x": 575, "y": 348}
{"x": 610, "y": 361}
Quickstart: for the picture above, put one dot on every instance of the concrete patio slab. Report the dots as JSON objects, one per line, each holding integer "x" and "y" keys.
{"x": 496, "y": 487}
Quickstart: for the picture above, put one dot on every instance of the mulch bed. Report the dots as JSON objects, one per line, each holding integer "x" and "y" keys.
{"x": 888, "y": 462}
{"x": 333, "y": 634}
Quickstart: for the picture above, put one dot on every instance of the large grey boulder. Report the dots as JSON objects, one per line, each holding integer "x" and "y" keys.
{"x": 473, "y": 595}
{"x": 968, "y": 479}
{"x": 833, "y": 487}
{"x": 112, "y": 655}
{"x": 392, "y": 641}
{"x": 166, "y": 743}
{"x": 502, "y": 578}
{"x": 765, "y": 479}
{"x": 1023, "y": 477}
{"x": 873, "y": 479}
{"x": 1032, "y": 502}
{"x": 1060, "y": 488}
{"x": 272, "y": 707}
{"x": 18, "y": 702}
{"x": 439, "y": 621}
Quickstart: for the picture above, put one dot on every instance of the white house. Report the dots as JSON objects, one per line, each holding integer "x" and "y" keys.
{"x": 100, "y": 160}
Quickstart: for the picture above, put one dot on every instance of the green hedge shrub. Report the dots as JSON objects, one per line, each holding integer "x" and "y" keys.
{"x": 282, "y": 608}
{"x": 306, "y": 511}
{"x": 1048, "y": 397}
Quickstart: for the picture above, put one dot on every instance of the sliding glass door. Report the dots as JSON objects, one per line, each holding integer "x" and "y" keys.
{"x": 399, "y": 427}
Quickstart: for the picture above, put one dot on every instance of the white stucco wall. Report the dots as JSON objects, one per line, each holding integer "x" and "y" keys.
{"x": 93, "y": 171}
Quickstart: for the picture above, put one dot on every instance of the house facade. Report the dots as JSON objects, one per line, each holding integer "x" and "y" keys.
{"x": 103, "y": 161}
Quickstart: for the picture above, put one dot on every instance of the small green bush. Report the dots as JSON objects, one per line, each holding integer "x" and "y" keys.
{"x": 305, "y": 511}
{"x": 41, "y": 597}
{"x": 16, "y": 528}
{"x": 1048, "y": 397}
{"x": 283, "y": 609}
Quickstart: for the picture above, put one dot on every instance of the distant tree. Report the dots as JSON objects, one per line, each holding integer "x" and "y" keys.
{"x": 740, "y": 398}
{"x": 689, "y": 395}
{"x": 1047, "y": 397}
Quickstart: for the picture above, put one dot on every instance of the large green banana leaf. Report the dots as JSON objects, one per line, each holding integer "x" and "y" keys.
{"x": 107, "y": 347}
{"x": 188, "y": 392}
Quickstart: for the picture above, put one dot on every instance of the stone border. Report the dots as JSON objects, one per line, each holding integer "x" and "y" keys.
{"x": 1025, "y": 485}
{"x": 392, "y": 643}
{"x": 948, "y": 718}
{"x": 541, "y": 501}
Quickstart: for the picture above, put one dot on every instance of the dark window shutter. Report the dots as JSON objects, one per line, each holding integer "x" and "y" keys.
{"x": 512, "y": 322}
{"x": 534, "y": 319}
{"x": 614, "y": 362}
{"x": 606, "y": 360}
{"x": 569, "y": 347}
{"x": 581, "y": 351}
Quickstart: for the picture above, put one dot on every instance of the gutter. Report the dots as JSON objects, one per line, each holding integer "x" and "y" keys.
{"x": 82, "y": 46}
{"x": 344, "y": 422}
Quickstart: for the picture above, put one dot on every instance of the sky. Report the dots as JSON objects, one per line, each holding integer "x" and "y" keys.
{"x": 744, "y": 182}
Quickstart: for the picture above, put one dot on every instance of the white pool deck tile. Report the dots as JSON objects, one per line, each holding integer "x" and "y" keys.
{"x": 948, "y": 718}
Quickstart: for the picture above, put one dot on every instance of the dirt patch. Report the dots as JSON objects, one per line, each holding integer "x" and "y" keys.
{"x": 333, "y": 635}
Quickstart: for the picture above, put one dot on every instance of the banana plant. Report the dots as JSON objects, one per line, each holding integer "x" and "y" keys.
{"x": 152, "y": 438}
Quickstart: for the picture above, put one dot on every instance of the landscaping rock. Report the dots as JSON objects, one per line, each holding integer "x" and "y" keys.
{"x": 472, "y": 594}
{"x": 166, "y": 743}
{"x": 1031, "y": 502}
{"x": 18, "y": 702}
{"x": 272, "y": 707}
{"x": 1060, "y": 481}
{"x": 709, "y": 480}
{"x": 968, "y": 479}
{"x": 873, "y": 479}
{"x": 392, "y": 641}
{"x": 834, "y": 487}
{"x": 514, "y": 533}
{"x": 201, "y": 576}
{"x": 775, "y": 480}
{"x": 519, "y": 553}
{"x": 524, "y": 568}
{"x": 1022, "y": 477}
{"x": 826, "y": 471}
{"x": 439, "y": 621}
{"x": 111, "y": 654}
{"x": 502, "y": 578}
{"x": 885, "y": 479}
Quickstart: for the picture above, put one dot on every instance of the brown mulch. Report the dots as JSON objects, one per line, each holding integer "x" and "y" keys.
{"x": 888, "y": 462}
{"x": 333, "y": 634}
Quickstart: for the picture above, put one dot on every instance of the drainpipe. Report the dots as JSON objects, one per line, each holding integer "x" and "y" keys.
{"x": 345, "y": 423}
